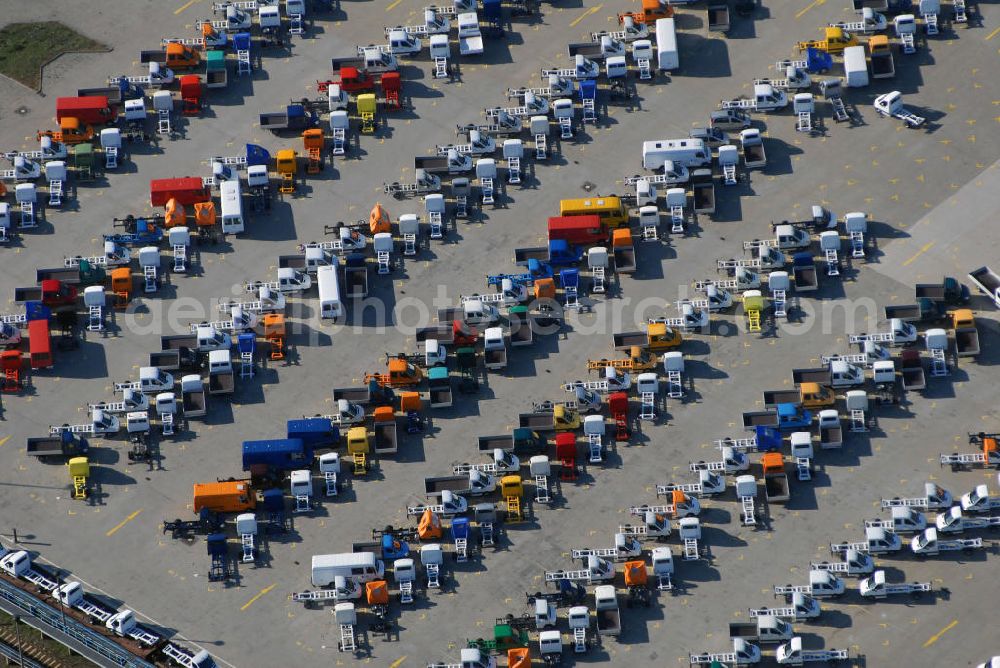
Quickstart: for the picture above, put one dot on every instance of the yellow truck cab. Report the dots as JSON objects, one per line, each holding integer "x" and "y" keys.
{"x": 814, "y": 395}
{"x": 835, "y": 40}
{"x": 511, "y": 485}
{"x": 565, "y": 419}
{"x": 662, "y": 337}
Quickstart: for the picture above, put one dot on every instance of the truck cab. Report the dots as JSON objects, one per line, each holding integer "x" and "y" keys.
{"x": 476, "y": 312}
{"x": 769, "y": 98}
{"x": 209, "y": 339}
{"x": 153, "y": 380}
{"x": 545, "y": 614}
{"x": 814, "y": 395}
{"x": 792, "y": 416}
{"x": 790, "y": 237}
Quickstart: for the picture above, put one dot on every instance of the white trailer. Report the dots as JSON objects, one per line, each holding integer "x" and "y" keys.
{"x": 928, "y": 544}
{"x": 876, "y": 587}
{"x": 935, "y": 498}
{"x": 803, "y": 607}
{"x": 855, "y": 563}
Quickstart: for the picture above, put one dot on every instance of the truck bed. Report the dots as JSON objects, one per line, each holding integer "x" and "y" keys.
{"x": 776, "y": 489}
{"x": 431, "y": 163}
{"x": 68, "y": 275}
{"x": 754, "y": 419}
{"x": 626, "y": 340}
{"x": 934, "y": 292}
{"x": 907, "y": 312}
{"x": 914, "y": 378}
{"x": 625, "y": 260}
{"x": 443, "y": 333}
{"x": 704, "y": 192}
{"x": 156, "y": 56}
{"x": 806, "y": 278}
{"x": 522, "y": 255}
{"x": 357, "y": 395}
{"x": 221, "y": 383}
{"x": 385, "y": 438}
{"x": 967, "y": 342}
{"x": 490, "y": 443}
{"x": 753, "y": 155}
{"x": 521, "y": 332}
{"x": 194, "y": 404}
{"x": 718, "y": 17}
{"x": 608, "y": 622}
{"x": 177, "y": 341}
{"x": 357, "y": 281}
{"x": 440, "y": 394}
{"x": 883, "y": 66}
{"x": 31, "y": 293}
{"x": 829, "y": 437}
{"x": 291, "y": 261}
{"x": 452, "y": 483}
{"x": 775, "y": 397}
{"x": 745, "y": 630}
{"x": 51, "y": 446}
{"x": 819, "y": 375}
{"x": 536, "y": 421}
{"x": 987, "y": 279}
{"x": 168, "y": 360}
{"x": 495, "y": 359}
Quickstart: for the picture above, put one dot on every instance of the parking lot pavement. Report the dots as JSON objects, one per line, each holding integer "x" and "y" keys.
{"x": 921, "y": 189}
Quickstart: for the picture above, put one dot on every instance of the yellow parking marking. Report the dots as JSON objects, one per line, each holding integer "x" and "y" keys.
{"x": 814, "y": 3}
{"x": 592, "y": 10}
{"x": 123, "y": 523}
{"x": 393, "y": 5}
{"x": 923, "y": 249}
{"x": 993, "y": 34}
{"x": 4, "y": 440}
{"x": 937, "y": 636}
{"x": 262, "y": 592}
{"x": 397, "y": 662}
{"x": 184, "y": 6}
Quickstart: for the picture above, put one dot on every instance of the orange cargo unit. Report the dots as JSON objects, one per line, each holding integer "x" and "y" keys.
{"x": 204, "y": 214}
{"x": 409, "y": 401}
{"x": 429, "y": 527}
{"x": 378, "y": 220}
{"x": 224, "y": 497}
{"x": 121, "y": 286}
{"x": 401, "y": 374}
{"x": 383, "y": 414}
{"x": 519, "y": 657}
{"x": 635, "y": 574}
{"x": 175, "y": 214}
{"x": 377, "y": 592}
{"x": 545, "y": 288}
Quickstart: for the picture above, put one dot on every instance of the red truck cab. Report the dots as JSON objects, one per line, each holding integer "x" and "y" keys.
{"x": 353, "y": 80}
{"x": 39, "y": 344}
{"x": 57, "y": 293}
{"x": 577, "y": 230}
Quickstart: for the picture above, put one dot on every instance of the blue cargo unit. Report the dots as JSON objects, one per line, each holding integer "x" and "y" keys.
{"x": 314, "y": 433}
{"x": 278, "y": 454}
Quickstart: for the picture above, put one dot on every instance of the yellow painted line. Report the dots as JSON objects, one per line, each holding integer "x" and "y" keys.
{"x": 397, "y": 662}
{"x": 4, "y": 440}
{"x": 184, "y": 6}
{"x": 923, "y": 249}
{"x": 814, "y": 3}
{"x": 393, "y": 5}
{"x": 937, "y": 636}
{"x": 123, "y": 523}
{"x": 592, "y": 10}
{"x": 993, "y": 34}
{"x": 259, "y": 594}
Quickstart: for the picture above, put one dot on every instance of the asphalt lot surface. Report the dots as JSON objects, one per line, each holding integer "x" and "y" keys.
{"x": 932, "y": 195}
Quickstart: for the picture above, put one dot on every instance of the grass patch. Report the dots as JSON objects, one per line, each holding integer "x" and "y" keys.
{"x": 26, "y": 47}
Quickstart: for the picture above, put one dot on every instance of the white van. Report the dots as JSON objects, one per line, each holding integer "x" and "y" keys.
{"x": 358, "y": 566}
{"x": 688, "y": 152}
{"x": 667, "y": 56}
{"x": 232, "y": 207}
{"x": 328, "y": 279}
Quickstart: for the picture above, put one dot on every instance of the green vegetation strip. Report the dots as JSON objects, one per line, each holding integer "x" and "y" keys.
{"x": 39, "y": 646}
{"x": 25, "y": 48}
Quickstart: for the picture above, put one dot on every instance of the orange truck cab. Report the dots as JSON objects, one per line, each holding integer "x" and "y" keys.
{"x": 378, "y": 220}
{"x": 401, "y": 374}
{"x": 121, "y": 286}
{"x": 814, "y": 395}
{"x": 224, "y": 497}
{"x": 429, "y": 527}
{"x": 180, "y": 57}
{"x": 652, "y": 10}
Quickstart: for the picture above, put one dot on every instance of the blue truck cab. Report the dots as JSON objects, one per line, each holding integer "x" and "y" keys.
{"x": 793, "y": 416}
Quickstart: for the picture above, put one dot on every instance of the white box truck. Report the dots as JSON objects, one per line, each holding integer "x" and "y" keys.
{"x": 667, "y": 56}
{"x": 855, "y": 67}
{"x": 232, "y": 207}
{"x": 330, "y": 306}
